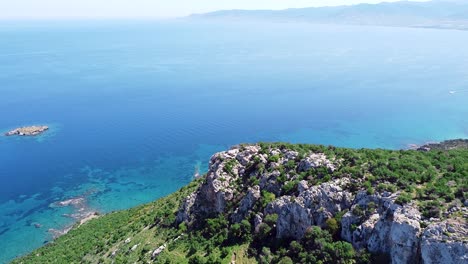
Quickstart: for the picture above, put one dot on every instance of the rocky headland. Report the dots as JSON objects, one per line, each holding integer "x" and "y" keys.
{"x": 445, "y": 145}
{"x": 27, "y": 131}
{"x": 379, "y": 220}
{"x": 291, "y": 203}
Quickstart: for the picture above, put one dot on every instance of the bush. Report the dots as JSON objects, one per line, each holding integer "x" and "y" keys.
{"x": 289, "y": 187}
{"x": 267, "y": 197}
{"x": 285, "y": 260}
{"x": 332, "y": 225}
{"x": 274, "y": 158}
{"x": 403, "y": 198}
{"x": 264, "y": 231}
{"x": 197, "y": 260}
{"x": 271, "y": 219}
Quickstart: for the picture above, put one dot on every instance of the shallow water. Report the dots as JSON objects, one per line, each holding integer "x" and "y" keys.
{"x": 135, "y": 107}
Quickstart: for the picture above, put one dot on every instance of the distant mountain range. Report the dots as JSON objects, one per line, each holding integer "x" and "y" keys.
{"x": 450, "y": 14}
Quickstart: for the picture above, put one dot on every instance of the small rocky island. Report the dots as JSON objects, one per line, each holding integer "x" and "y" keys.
{"x": 27, "y": 131}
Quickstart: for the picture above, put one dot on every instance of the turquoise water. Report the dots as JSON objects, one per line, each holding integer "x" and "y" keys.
{"x": 136, "y": 107}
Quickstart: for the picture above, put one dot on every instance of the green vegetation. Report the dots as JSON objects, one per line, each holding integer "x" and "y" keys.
{"x": 433, "y": 180}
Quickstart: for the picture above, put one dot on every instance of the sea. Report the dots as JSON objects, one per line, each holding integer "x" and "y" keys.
{"x": 136, "y": 108}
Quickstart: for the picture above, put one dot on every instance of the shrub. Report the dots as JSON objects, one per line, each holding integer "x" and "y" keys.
{"x": 285, "y": 260}
{"x": 332, "y": 225}
{"x": 289, "y": 187}
{"x": 267, "y": 197}
{"x": 271, "y": 219}
{"x": 182, "y": 227}
{"x": 403, "y": 198}
{"x": 274, "y": 158}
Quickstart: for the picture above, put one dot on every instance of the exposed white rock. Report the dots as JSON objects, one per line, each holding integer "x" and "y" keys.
{"x": 293, "y": 217}
{"x": 291, "y": 155}
{"x": 158, "y": 251}
{"x": 326, "y": 200}
{"x": 269, "y": 182}
{"x": 302, "y": 186}
{"x": 258, "y": 219}
{"x": 384, "y": 227}
{"x": 374, "y": 222}
{"x": 253, "y": 194}
{"x": 134, "y": 247}
{"x": 315, "y": 160}
{"x": 445, "y": 242}
{"x": 313, "y": 206}
{"x": 245, "y": 156}
{"x": 186, "y": 213}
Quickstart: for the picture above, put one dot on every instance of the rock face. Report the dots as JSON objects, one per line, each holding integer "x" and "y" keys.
{"x": 238, "y": 181}
{"x": 313, "y": 206}
{"x": 445, "y": 242}
{"x": 27, "y": 131}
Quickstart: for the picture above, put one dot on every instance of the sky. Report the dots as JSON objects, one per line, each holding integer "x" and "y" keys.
{"x": 50, "y": 9}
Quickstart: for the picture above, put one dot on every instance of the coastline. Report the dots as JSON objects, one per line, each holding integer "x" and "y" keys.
{"x": 81, "y": 214}
{"x": 155, "y": 244}
{"x": 84, "y": 214}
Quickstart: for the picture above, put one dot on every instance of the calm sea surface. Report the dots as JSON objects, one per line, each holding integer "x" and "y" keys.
{"x": 136, "y": 107}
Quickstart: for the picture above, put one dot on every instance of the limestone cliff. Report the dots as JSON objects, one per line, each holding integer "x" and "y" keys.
{"x": 309, "y": 188}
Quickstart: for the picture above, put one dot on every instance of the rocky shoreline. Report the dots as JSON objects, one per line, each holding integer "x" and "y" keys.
{"x": 27, "y": 131}
{"x": 82, "y": 214}
{"x": 445, "y": 145}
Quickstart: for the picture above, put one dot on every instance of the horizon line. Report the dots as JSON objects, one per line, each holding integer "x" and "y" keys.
{"x": 145, "y": 17}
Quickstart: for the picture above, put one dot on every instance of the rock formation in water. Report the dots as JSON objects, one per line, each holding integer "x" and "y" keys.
{"x": 27, "y": 131}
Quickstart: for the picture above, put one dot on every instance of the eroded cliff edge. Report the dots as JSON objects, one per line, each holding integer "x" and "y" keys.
{"x": 404, "y": 206}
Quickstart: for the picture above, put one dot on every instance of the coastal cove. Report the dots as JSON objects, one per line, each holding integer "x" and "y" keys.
{"x": 135, "y": 109}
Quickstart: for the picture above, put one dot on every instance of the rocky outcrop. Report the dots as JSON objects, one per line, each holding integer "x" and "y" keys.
{"x": 238, "y": 179}
{"x": 27, "y": 131}
{"x": 445, "y": 145}
{"x": 313, "y": 206}
{"x": 315, "y": 160}
{"x": 226, "y": 168}
{"x": 445, "y": 242}
{"x": 249, "y": 200}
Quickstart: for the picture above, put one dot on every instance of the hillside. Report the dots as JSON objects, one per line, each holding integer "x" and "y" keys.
{"x": 433, "y": 14}
{"x": 283, "y": 203}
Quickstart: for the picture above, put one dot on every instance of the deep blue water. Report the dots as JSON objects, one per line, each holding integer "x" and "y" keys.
{"x": 135, "y": 107}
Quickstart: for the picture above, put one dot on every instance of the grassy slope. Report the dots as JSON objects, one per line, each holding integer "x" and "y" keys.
{"x": 151, "y": 225}
{"x": 94, "y": 241}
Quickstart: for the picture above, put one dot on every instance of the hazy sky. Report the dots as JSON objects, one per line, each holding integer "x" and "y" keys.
{"x": 11, "y": 9}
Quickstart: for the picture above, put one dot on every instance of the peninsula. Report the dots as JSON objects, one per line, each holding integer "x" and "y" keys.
{"x": 292, "y": 203}
{"x": 27, "y": 131}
